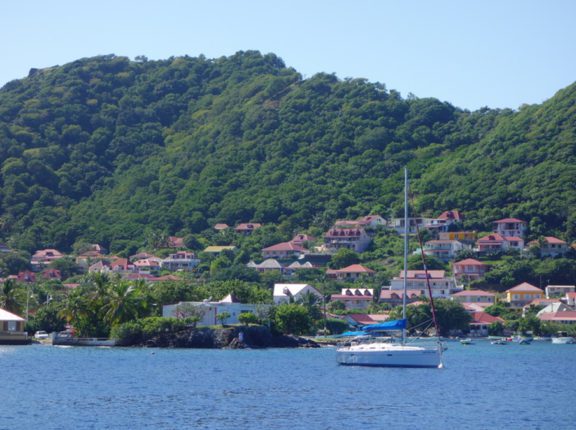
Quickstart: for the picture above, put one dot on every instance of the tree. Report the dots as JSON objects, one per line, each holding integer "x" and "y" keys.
{"x": 122, "y": 303}
{"x": 292, "y": 318}
{"x": 223, "y": 317}
{"x": 47, "y": 318}
{"x": 11, "y": 296}
{"x": 248, "y": 318}
{"x": 344, "y": 257}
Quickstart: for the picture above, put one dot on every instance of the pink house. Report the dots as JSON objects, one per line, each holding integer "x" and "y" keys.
{"x": 498, "y": 242}
{"x": 440, "y": 284}
{"x": 474, "y": 296}
{"x": 469, "y": 269}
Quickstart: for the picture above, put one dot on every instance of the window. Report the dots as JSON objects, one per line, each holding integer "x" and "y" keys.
{"x": 12, "y": 326}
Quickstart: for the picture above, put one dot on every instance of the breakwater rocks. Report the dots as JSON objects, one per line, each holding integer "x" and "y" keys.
{"x": 227, "y": 337}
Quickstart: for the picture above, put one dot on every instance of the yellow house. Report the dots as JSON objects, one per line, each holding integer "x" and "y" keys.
{"x": 523, "y": 294}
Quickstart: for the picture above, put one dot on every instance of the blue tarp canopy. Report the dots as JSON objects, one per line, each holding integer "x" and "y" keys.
{"x": 388, "y": 325}
{"x": 353, "y": 333}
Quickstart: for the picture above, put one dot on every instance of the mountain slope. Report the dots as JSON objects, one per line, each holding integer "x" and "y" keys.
{"x": 108, "y": 150}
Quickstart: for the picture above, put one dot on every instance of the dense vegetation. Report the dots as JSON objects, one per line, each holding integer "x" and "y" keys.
{"x": 112, "y": 151}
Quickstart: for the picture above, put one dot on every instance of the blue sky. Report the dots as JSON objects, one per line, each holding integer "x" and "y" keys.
{"x": 495, "y": 53}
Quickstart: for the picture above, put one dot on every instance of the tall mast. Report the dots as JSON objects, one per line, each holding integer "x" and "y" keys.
{"x": 406, "y": 225}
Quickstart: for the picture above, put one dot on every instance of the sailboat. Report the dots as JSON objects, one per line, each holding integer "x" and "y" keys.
{"x": 381, "y": 352}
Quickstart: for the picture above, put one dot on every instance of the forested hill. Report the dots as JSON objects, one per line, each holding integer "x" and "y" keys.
{"x": 108, "y": 150}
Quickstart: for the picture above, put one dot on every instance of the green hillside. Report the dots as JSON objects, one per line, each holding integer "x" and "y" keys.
{"x": 108, "y": 150}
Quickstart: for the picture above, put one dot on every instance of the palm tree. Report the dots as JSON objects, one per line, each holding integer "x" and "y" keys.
{"x": 122, "y": 303}
{"x": 11, "y": 296}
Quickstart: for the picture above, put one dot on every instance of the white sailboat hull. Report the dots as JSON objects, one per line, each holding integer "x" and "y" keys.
{"x": 389, "y": 355}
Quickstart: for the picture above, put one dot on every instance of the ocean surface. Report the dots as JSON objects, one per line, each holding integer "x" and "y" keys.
{"x": 482, "y": 386}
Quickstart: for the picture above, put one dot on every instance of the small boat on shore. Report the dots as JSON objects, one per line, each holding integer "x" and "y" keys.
{"x": 66, "y": 338}
{"x": 499, "y": 342}
{"x": 466, "y": 341}
{"x": 563, "y": 339}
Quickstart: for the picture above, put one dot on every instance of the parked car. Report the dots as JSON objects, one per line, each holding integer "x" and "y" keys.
{"x": 40, "y": 334}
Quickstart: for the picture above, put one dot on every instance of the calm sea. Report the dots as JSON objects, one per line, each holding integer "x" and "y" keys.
{"x": 483, "y": 386}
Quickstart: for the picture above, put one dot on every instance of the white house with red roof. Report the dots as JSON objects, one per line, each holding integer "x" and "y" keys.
{"x": 147, "y": 265}
{"x": 355, "y": 239}
{"x": 475, "y": 296}
{"x": 523, "y": 294}
{"x": 510, "y": 227}
{"x": 350, "y": 273}
{"x": 44, "y": 257}
{"x": 181, "y": 260}
{"x": 284, "y": 250}
{"x": 441, "y": 285}
{"x": 354, "y": 298}
{"x": 481, "y": 322}
{"x": 444, "y": 250}
{"x": 444, "y": 220}
{"x": 549, "y": 246}
{"x": 469, "y": 269}
{"x": 560, "y": 317}
{"x": 496, "y": 242}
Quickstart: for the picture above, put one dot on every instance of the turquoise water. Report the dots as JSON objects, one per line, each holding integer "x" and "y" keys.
{"x": 483, "y": 386}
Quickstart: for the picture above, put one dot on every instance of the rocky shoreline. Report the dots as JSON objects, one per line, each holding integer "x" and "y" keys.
{"x": 227, "y": 337}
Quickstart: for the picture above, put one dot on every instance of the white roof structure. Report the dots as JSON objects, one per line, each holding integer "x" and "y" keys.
{"x": 8, "y": 316}
{"x": 283, "y": 292}
{"x": 554, "y": 307}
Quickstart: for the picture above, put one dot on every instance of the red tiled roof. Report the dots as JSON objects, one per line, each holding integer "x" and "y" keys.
{"x": 558, "y": 316}
{"x": 354, "y": 268}
{"x": 453, "y": 214}
{"x": 285, "y": 246}
{"x": 554, "y": 240}
{"x": 469, "y": 262}
{"x": 491, "y": 238}
{"x": 420, "y": 274}
{"x": 509, "y": 220}
{"x": 361, "y": 318}
{"x": 484, "y": 318}
{"x": 525, "y": 286}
